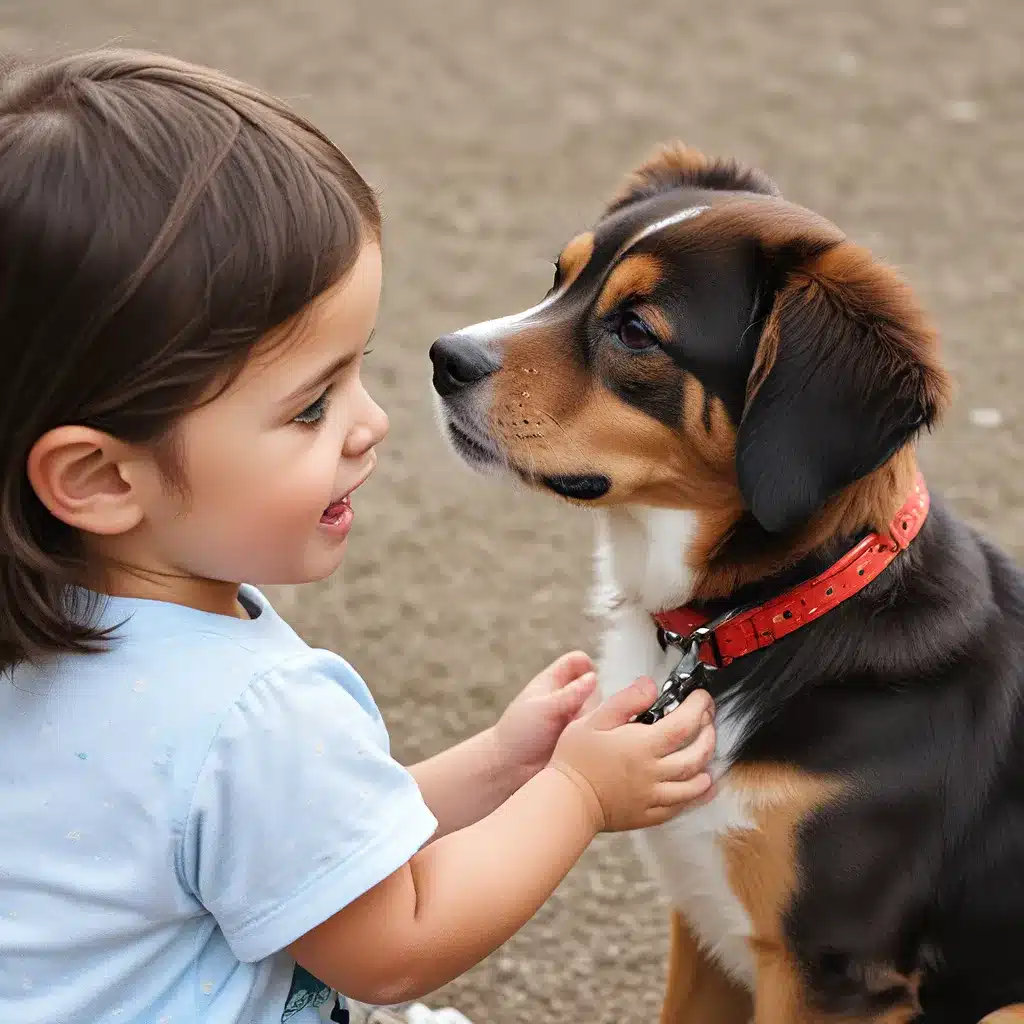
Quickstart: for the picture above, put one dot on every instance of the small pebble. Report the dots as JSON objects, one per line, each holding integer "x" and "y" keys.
{"x": 962, "y": 111}
{"x": 847, "y": 63}
{"x": 986, "y": 418}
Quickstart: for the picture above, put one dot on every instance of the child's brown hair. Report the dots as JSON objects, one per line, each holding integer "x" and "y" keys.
{"x": 156, "y": 220}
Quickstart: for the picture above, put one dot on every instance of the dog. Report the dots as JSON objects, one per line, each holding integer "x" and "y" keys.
{"x": 737, "y": 388}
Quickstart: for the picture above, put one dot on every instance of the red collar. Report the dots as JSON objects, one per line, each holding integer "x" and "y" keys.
{"x": 754, "y": 628}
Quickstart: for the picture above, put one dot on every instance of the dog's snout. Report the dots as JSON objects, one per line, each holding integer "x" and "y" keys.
{"x": 458, "y": 362}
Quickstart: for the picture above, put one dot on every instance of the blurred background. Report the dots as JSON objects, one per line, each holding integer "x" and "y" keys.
{"x": 495, "y": 132}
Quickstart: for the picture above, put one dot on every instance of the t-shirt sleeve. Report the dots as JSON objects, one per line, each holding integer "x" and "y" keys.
{"x": 298, "y": 808}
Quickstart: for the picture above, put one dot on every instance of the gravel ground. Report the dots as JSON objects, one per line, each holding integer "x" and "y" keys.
{"x": 495, "y": 132}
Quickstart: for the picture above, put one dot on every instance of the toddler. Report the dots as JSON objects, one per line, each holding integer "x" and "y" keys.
{"x": 201, "y": 820}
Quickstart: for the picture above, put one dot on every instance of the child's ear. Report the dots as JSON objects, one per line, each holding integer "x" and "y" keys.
{"x": 82, "y": 477}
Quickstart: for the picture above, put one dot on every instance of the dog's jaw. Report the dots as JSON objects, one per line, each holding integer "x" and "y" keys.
{"x": 468, "y": 442}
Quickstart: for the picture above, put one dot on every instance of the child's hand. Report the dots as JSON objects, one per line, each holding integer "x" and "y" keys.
{"x": 637, "y": 775}
{"x": 527, "y": 732}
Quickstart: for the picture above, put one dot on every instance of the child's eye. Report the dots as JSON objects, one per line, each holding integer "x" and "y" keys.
{"x": 314, "y": 412}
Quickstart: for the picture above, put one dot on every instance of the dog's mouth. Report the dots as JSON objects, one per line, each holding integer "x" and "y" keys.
{"x": 578, "y": 487}
{"x": 482, "y": 454}
{"x": 471, "y": 448}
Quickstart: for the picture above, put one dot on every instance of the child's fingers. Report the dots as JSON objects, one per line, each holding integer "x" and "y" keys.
{"x": 570, "y": 699}
{"x": 622, "y": 706}
{"x": 705, "y": 798}
{"x": 679, "y": 727}
{"x": 686, "y": 763}
{"x": 567, "y": 668}
{"x": 672, "y": 797}
{"x": 592, "y": 703}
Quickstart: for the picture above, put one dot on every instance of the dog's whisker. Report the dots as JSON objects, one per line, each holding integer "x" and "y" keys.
{"x": 565, "y": 433}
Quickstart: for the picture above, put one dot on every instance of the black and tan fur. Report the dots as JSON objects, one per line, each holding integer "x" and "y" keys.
{"x": 788, "y": 375}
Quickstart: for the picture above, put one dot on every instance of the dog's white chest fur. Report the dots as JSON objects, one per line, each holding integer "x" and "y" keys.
{"x": 641, "y": 567}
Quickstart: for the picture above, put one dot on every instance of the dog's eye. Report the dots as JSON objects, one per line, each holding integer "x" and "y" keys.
{"x": 635, "y": 334}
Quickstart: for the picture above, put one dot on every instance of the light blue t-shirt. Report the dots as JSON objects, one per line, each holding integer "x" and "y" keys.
{"x": 176, "y": 811}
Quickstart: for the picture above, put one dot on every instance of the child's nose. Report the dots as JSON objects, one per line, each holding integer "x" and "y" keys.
{"x": 371, "y": 429}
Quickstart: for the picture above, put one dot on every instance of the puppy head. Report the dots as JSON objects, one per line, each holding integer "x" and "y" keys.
{"x": 707, "y": 346}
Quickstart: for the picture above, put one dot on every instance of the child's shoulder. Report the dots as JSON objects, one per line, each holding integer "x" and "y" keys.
{"x": 212, "y": 660}
{"x": 174, "y": 669}
{"x": 170, "y": 648}
{"x": 175, "y": 682}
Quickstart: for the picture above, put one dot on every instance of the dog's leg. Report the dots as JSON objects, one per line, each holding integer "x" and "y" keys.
{"x": 779, "y": 987}
{"x": 1007, "y": 1015}
{"x": 699, "y": 991}
{"x": 782, "y": 995}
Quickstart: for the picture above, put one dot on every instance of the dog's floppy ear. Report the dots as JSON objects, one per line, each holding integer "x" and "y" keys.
{"x": 676, "y": 165}
{"x": 846, "y": 373}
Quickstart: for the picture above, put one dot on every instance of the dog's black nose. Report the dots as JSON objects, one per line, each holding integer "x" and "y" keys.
{"x": 458, "y": 362}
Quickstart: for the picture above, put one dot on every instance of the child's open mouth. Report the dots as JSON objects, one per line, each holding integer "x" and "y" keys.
{"x": 338, "y": 516}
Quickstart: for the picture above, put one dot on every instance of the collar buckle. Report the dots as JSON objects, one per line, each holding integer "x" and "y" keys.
{"x": 687, "y": 676}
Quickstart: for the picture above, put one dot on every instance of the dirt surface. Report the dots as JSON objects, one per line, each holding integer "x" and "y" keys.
{"x": 494, "y": 132}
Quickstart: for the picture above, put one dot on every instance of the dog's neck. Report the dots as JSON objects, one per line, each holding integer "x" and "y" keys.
{"x": 644, "y": 556}
{"x": 663, "y": 558}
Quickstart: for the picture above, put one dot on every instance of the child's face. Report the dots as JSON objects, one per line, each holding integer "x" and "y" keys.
{"x": 270, "y": 463}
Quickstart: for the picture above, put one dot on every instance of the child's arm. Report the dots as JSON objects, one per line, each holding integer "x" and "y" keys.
{"x": 463, "y": 896}
{"x": 465, "y": 783}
